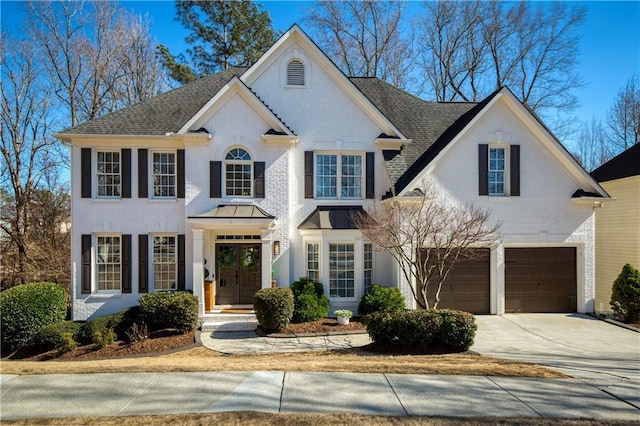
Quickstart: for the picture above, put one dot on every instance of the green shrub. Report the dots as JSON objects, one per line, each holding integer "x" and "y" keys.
{"x": 58, "y": 334}
{"x": 274, "y": 308}
{"x": 170, "y": 309}
{"x": 67, "y": 343}
{"x": 103, "y": 338}
{"x": 99, "y": 325}
{"x": 26, "y": 309}
{"x": 625, "y": 294}
{"x": 381, "y": 298}
{"x": 423, "y": 329}
{"x": 309, "y": 301}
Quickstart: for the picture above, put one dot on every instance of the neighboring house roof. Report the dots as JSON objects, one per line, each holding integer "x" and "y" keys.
{"x": 430, "y": 125}
{"x": 162, "y": 114}
{"x": 623, "y": 165}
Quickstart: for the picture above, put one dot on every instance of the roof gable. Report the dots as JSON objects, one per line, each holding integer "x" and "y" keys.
{"x": 625, "y": 164}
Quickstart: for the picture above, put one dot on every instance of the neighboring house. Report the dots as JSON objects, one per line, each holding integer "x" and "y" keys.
{"x": 256, "y": 170}
{"x": 618, "y": 223}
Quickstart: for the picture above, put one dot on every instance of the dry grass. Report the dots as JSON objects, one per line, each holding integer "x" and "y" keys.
{"x": 251, "y": 419}
{"x": 354, "y": 361}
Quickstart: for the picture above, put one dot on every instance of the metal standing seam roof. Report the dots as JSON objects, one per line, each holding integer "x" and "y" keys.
{"x": 332, "y": 217}
{"x": 235, "y": 211}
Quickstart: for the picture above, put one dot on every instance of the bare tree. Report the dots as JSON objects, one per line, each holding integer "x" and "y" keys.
{"x": 623, "y": 120}
{"x": 426, "y": 236}
{"x": 364, "y": 38}
{"x": 594, "y": 148}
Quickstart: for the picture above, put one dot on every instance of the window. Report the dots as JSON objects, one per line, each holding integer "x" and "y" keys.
{"x": 238, "y": 178}
{"x": 338, "y": 176}
{"x": 108, "y": 173}
{"x": 164, "y": 262}
{"x": 295, "y": 73}
{"x": 368, "y": 266}
{"x": 164, "y": 174}
{"x": 496, "y": 171}
{"x": 108, "y": 263}
{"x": 341, "y": 270}
{"x": 313, "y": 261}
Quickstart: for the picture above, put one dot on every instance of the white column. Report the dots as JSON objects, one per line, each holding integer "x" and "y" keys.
{"x": 267, "y": 259}
{"x": 198, "y": 268}
{"x": 497, "y": 282}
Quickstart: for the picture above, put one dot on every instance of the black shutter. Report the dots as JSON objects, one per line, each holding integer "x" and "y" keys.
{"x": 371, "y": 173}
{"x": 143, "y": 263}
{"x": 85, "y": 172}
{"x": 143, "y": 185}
{"x": 258, "y": 179}
{"x": 181, "y": 262}
{"x": 308, "y": 174}
{"x": 126, "y": 263}
{"x": 126, "y": 173}
{"x": 483, "y": 169}
{"x": 85, "y": 275}
{"x": 215, "y": 179}
{"x": 515, "y": 170}
{"x": 181, "y": 177}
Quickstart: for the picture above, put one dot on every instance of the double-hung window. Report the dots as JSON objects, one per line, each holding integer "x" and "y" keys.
{"x": 164, "y": 174}
{"x": 338, "y": 176}
{"x": 368, "y": 266}
{"x": 108, "y": 263}
{"x": 164, "y": 262}
{"x": 497, "y": 168}
{"x": 341, "y": 270}
{"x": 313, "y": 261}
{"x": 108, "y": 173}
{"x": 238, "y": 173}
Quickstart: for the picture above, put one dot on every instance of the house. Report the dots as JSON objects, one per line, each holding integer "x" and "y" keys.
{"x": 252, "y": 175}
{"x": 617, "y": 224}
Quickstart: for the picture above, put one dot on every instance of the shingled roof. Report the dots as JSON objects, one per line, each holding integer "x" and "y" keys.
{"x": 162, "y": 114}
{"x": 430, "y": 125}
{"x": 624, "y": 165}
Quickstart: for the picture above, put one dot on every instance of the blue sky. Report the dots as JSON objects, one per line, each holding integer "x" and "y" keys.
{"x": 609, "y": 47}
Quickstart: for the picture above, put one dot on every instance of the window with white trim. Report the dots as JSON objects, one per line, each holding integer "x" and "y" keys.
{"x": 338, "y": 176}
{"x": 368, "y": 266}
{"x": 313, "y": 261}
{"x": 108, "y": 173}
{"x": 164, "y": 174}
{"x": 108, "y": 263}
{"x": 295, "y": 73}
{"x": 341, "y": 270}
{"x": 238, "y": 173}
{"x": 497, "y": 168}
{"x": 164, "y": 262}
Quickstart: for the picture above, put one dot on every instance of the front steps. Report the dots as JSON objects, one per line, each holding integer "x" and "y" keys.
{"x": 217, "y": 320}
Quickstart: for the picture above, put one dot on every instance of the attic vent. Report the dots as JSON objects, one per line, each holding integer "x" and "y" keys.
{"x": 295, "y": 73}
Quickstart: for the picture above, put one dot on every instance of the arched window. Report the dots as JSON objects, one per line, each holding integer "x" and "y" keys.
{"x": 238, "y": 173}
{"x": 295, "y": 73}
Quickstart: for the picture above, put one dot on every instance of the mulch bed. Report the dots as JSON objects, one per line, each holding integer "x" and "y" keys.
{"x": 325, "y": 325}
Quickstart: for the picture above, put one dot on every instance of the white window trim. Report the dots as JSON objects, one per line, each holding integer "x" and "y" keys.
{"x": 358, "y": 273}
{"x": 95, "y": 174}
{"x": 295, "y": 54}
{"x": 95, "y": 272}
{"x": 248, "y": 162}
{"x": 306, "y": 258}
{"x": 150, "y": 256}
{"x": 339, "y": 155}
{"x": 507, "y": 168}
{"x": 152, "y": 195}
{"x": 364, "y": 269}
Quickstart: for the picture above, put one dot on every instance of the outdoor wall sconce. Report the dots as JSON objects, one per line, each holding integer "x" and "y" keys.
{"x": 276, "y": 248}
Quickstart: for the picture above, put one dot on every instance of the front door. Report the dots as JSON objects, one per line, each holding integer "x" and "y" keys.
{"x": 239, "y": 273}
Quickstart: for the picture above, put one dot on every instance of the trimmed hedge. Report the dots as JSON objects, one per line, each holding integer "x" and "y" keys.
{"x": 170, "y": 309}
{"x": 99, "y": 325}
{"x": 58, "y": 334}
{"x": 310, "y": 302}
{"x": 625, "y": 294}
{"x": 380, "y": 299}
{"x": 274, "y": 308}
{"x": 26, "y": 309}
{"x": 423, "y": 329}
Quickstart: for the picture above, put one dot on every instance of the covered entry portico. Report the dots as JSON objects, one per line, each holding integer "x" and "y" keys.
{"x": 235, "y": 241}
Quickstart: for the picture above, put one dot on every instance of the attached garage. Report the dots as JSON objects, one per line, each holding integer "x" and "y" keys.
{"x": 467, "y": 286}
{"x": 541, "y": 279}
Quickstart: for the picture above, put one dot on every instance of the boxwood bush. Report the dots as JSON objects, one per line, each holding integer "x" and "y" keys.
{"x": 99, "y": 325}
{"x": 170, "y": 309}
{"x": 26, "y": 309}
{"x": 59, "y": 335}
{"x": 381, "y": 298}
{"x": 273, "y": 308}
{"x": 309, "y": 301}
{"x": 423, "y": 329}
{"x": 625, "y": 294}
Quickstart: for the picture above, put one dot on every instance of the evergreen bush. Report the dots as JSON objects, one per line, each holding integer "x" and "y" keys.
{"x": 26, "y": 309}
{"x": 58, "y": 334}
{"x": 170, "y": 309}
{"x": 310, "y": 302}
{"x": 273, "y": 308}
{"x": 381, "y": 298}
{"x": 625, "y": 294}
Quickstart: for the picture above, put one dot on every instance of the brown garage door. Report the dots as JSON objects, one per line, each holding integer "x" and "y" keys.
{"x": 467, "y": 285}
{"x": 540, "y": 279}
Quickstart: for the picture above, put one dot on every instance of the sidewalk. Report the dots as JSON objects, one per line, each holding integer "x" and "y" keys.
{"x": 110, "y": 394}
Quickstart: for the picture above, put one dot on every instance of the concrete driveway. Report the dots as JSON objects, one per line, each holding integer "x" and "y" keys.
{"x": 601, "y": 354}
